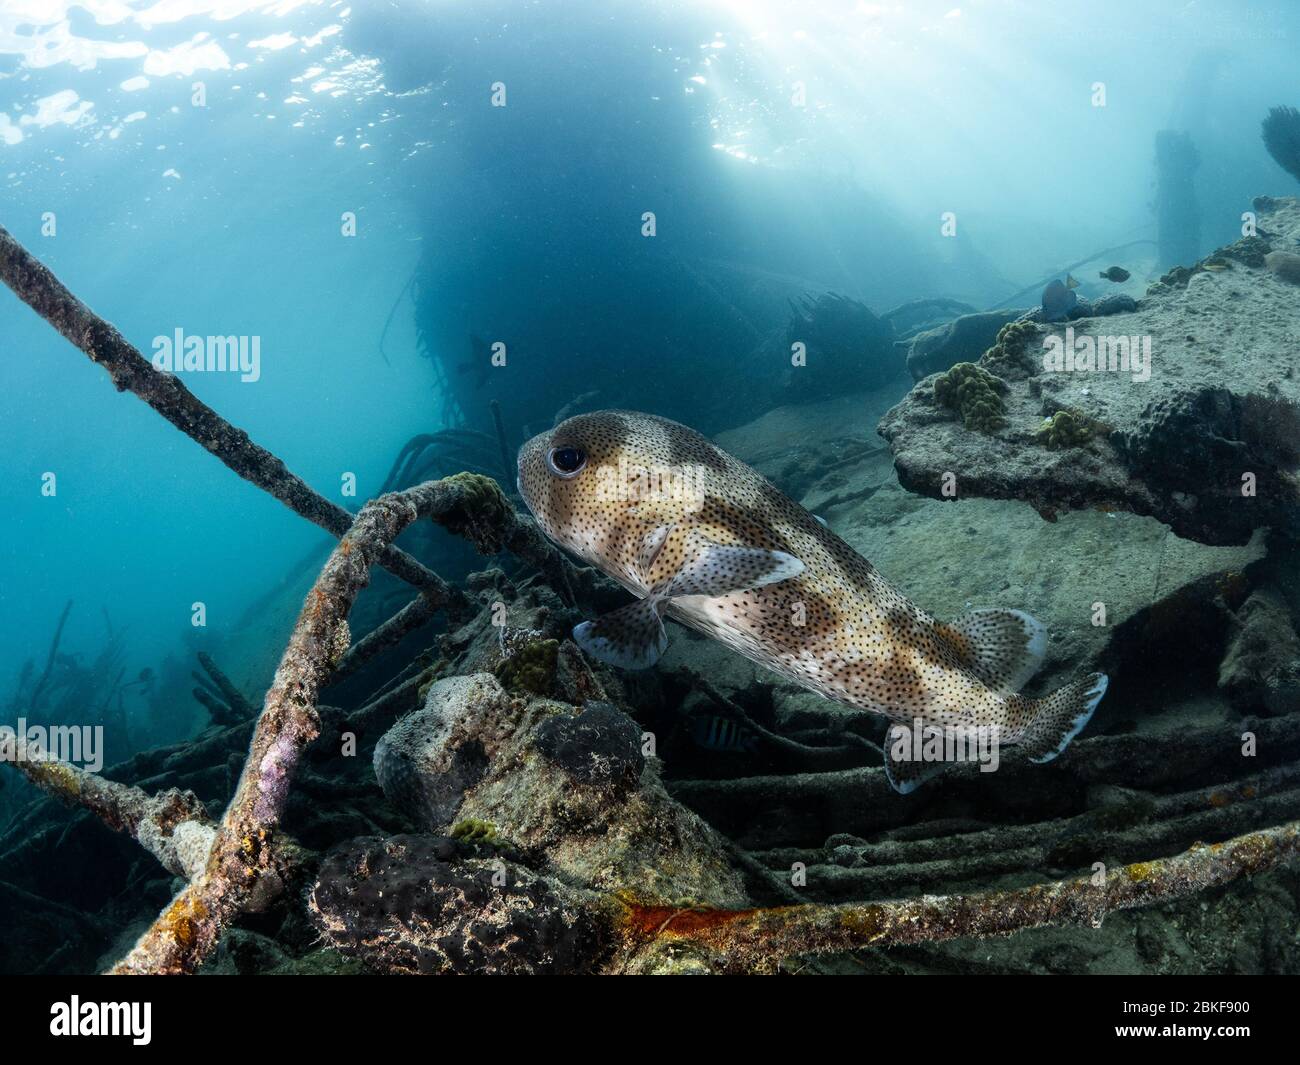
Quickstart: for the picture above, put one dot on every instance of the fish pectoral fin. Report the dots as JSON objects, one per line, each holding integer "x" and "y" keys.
{"x": 650, "y": 548}
{"x": 1003, "y": 648}
{"x": 905, "y": 773}
{"x": 631, "y": 637}
{"x": 720, "y": 569}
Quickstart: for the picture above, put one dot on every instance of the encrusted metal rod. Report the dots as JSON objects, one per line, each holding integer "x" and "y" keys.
{"x": 757, "y": 940}
{"x": 37, "y": 286}
{"x": 173, "y": 825}
{"x": 416, "y": 613}
{"x": 243, "y": 855}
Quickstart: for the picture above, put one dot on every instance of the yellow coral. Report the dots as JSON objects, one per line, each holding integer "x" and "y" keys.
{"x": 1067, "y": 428}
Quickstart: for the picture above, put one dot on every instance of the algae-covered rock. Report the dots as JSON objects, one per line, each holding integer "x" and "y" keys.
{"x": 483, "y": 513}
{"x": 568, "y": 785}
{"x": 422, "y": 770}
{"x": 472, "y": 830}
{"x": 531, "y": 668}
{"x": 601, "y": 745}
{"x": 1284, "y": 265}
{"x": 973, "y": 393}
{"x": 1198, "y": 388}
{"x": 964, "y": 339}
{"x": 1260, "y": 666}
{"x": 1067, "y": 428}
{"x": 1007, "y": 353}
{"x": 413, "y": 905}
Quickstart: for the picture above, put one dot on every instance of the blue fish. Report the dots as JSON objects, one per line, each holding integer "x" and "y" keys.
{"x": 1059, "y": 299}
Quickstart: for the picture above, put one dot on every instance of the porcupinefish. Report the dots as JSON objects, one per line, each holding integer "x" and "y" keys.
{"x": 701, "y": 538}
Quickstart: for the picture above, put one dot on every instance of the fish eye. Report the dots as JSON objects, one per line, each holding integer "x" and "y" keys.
{"x": 566, "y": 461}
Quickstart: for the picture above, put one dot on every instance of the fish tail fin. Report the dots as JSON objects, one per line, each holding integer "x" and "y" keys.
{"x": 1003, "y": 648}
{"x": 1056, "y": 719}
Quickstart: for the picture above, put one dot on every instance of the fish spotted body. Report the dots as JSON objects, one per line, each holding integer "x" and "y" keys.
{"x": 705, "y": 540}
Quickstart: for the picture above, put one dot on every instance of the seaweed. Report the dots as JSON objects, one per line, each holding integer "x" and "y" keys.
{"x": 1281, "y": 133}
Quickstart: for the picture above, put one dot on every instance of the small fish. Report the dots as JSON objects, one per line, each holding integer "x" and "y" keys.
{"x": 716, "y": 733}
{"x": 1116, "y": 274}
{"x": 1059, "y": 299}
{"x": 701, "y": 538}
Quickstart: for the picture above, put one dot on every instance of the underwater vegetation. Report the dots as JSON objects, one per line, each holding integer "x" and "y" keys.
{"x": 1281, "y": 133}
{"x": 450, "y": 450}
{"x": 1008, "y": 353}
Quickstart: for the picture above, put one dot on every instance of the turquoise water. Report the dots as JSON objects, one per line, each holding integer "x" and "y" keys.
{"x": 378, "y": 192}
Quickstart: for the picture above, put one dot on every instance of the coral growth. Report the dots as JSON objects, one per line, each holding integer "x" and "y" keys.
{"x": 408, "y": 905}
{"x": 1067, "y": 428}
{"x": 1008, "y": 350}
{"x": 974, "y": 394}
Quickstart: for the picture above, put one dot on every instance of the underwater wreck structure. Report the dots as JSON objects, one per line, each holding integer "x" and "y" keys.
{"x": 530, "y": 827}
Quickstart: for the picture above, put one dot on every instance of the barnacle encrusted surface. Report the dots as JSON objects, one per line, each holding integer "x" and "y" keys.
{"x": 411, "y": 905}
